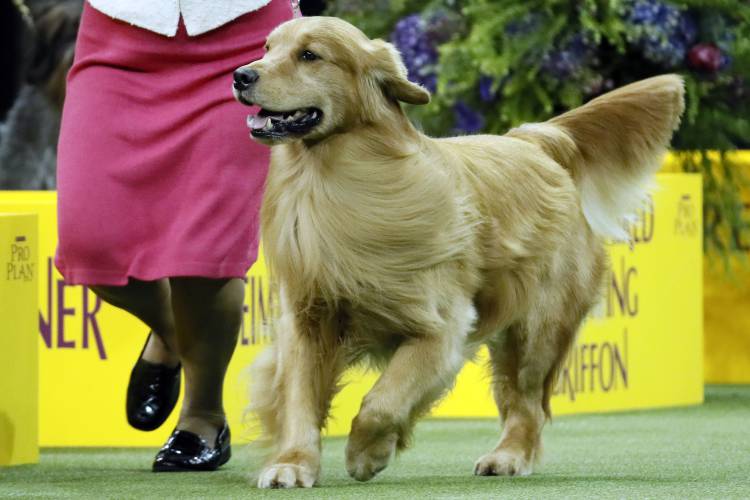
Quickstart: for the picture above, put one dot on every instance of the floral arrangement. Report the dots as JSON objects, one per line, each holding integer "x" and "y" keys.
{"x": 494, "y": 64}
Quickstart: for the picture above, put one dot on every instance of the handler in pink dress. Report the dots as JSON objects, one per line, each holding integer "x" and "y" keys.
{"x": 159, "y": 189}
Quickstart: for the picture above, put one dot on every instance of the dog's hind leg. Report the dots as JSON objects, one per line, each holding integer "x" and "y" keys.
{"x": 293, "y": 387}
{"x": 524, "y": 362}
{"x": 421, "y": 370}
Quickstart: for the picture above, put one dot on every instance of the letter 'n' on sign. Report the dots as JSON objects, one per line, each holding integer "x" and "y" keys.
{"x": 68, "y": 322}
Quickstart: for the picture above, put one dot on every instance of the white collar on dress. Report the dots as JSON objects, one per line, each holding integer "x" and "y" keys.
{"x": 163, "y": 16}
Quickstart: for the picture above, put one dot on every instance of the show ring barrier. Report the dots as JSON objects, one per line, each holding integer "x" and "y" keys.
{"x": 19, "y": 371}
{"x": 643, "y": 347}
{"x": 726, "y": 293}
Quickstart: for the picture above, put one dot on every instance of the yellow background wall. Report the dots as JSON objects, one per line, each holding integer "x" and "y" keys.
{"x": 727, "y": 299}
{"x": 643, "y": 349}
{"x": 19, "y": 443}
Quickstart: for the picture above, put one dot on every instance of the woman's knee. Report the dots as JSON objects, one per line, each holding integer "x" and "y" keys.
{"x": 201, "y": 299}
{"x": 147, "y": 300}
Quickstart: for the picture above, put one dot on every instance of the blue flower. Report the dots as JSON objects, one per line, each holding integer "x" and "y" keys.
{"x": 662, "y": 32}
{"x": 486, "y": 93}
{"x": 569, "y": 58}
{"x": 467, "y": 120}
{"x": 418, "y": 50}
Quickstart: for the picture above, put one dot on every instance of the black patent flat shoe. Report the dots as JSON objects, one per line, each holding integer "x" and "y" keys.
{"x": 185, "y": 451}
{"x": 152, "y": 393}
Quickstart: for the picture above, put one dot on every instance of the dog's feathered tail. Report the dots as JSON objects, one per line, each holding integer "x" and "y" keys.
{"x": 612, "y": 146}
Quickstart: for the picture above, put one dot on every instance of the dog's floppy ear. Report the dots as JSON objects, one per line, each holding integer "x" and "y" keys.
{"x": 390, "y": 73}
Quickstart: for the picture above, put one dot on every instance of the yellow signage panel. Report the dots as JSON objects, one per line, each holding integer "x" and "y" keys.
{"x": 19, "y": 443}
{"x": 726, "y": 290}
{"x": 643, "y": 349}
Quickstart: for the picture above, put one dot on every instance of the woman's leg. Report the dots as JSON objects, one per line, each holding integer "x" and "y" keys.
{"x": 196, "y": 321}
{"x": 207, "y": 315}
{"x": 149, "y": 301}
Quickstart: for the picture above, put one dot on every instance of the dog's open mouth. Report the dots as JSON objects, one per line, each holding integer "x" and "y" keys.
{"x": 277, "y": 124}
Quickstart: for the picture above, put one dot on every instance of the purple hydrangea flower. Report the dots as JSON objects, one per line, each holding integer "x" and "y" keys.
{"x": 486, "y": 93}
{"x": 418, "y": 50}
{"x": 726, "y": 60}
{"x": 467, "y": 120}
{"x": 662, "y": 31}
{"x": 569, "y": 58}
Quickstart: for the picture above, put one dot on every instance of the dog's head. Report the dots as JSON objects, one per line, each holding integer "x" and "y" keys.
{"x": 320, "y": 76}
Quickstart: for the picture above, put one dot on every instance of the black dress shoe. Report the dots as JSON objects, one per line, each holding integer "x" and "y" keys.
{"x": 152, "y": 393}
{"x": 185, "y": 451}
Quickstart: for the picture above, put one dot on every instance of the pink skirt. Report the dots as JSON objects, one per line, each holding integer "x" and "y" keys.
{"x": 157, "y": 174}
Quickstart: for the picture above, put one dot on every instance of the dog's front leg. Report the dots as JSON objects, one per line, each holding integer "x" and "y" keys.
{"x": 421, "y": 370}
{"x": 307, "y": 361}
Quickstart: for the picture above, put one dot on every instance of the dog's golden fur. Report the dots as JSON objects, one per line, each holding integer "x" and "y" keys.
{"x": 412, "y": 252}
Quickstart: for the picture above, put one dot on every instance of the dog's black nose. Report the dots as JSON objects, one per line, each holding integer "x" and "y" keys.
{"x": 244, "y": 77}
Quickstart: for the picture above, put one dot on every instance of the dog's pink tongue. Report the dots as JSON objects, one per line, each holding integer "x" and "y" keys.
{"x": 256, "y": 122}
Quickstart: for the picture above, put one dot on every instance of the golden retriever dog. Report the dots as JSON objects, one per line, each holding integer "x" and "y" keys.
{"x": 408, "y": 252}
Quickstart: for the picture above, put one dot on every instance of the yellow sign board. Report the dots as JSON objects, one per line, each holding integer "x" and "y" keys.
{"x": 19, "y": 443}
{"x": 726, "y": 292}
{"x": 643, "y": 349}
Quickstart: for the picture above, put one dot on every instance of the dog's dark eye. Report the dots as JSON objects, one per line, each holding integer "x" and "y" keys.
{"x": 306, "y": 55}
{"x": 267, "y": 47}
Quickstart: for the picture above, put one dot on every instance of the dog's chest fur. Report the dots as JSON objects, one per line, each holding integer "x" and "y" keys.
{"x": 362, "y": 232}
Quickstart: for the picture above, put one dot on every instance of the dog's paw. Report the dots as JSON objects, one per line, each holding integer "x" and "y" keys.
{"x": 503, "y": 463}
{"x": 370, "y": 447}
{"x": 286, "y": 475}
{"x": 364, "y": 462}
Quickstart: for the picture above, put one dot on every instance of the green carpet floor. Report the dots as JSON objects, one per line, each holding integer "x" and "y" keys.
{"x": 697, "y": 452}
